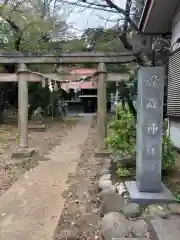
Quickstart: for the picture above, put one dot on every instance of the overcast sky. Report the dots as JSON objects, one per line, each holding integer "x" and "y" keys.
{"x": 90, "y": 18}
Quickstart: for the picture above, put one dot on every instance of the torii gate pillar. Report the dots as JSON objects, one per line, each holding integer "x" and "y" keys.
{"x": 102, "y": 112}
{"x": 22, "y": 150}
{"x": 22, "y": 106}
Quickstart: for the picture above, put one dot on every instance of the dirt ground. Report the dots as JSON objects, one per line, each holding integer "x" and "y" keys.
{"x": 80, "y": 216}
{"x": 43, "y": 142}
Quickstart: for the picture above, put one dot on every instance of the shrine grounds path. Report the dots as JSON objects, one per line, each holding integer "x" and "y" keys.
{"x": 30, "y": 209}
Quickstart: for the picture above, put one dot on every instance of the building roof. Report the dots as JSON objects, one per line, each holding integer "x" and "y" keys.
{"x": 84, "y": 71}
{"x": 79, "y": 85}
{"x": 157, "y": 16}
{"x": 90, "y": 84}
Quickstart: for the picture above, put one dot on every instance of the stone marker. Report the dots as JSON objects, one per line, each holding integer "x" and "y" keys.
{"x": 37, "y": 121}
{"x": 149, "y": 129}
{"x": 149, "y": 139}
{"x": 37, "y": 116}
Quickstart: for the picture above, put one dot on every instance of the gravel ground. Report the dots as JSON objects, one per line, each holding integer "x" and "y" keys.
{"x": 80, "y": 217}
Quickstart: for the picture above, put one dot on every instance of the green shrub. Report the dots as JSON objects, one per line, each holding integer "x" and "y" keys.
{"x": 168, "y": 151}
{"x": 123, "y": 138}
{"x": 178, "y": 198}
{"x": 123, "y": 172}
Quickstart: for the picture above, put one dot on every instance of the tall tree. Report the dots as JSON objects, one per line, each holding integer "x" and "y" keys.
{"x": 25, "y": 25}
{"x": 126, "y": 24}
{"x": 31, "y": 22}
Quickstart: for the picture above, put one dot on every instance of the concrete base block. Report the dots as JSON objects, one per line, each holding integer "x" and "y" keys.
{"x": 164, "y": 229}
{"x": 37, "y": 127}
{"x": 102, "y": 153}
{"x": 23, "y": 153}
{"x": 145, "y": 198}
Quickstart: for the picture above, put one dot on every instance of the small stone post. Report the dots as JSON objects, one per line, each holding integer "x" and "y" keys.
{"x": 102, "y": 107}
{"x": 23, "y": 105}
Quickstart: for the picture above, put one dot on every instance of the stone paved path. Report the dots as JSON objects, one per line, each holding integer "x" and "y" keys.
{"x": 30, "y": 209}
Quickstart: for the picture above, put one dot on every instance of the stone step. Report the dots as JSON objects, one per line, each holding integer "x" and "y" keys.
{"x": 165, "y": 229}
{"x": 37, "y": 127}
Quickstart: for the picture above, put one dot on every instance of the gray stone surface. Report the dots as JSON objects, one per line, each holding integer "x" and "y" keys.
{"x": 109, "y": 190}
{"x": 115, "y": 225}
{"x": 104, "y": 171}
{"x": 131, "y": 210}
{"x": 139, "y": 228}
{"x": 165, "y": 229}
{"x": 149, "y": 128}
{"x": 107, "y": 163}
{"x": 174, "y": 208}
{"x": 158, "y": 211}
{"x": 122, "y": 161}
{"x": 103, "y": 184}
{"x": 21, "y": 153}
{"x": 37, "y": 127}
{"x": 105, "y": 177}
{"x": 145, "y": 198}
{"x": 99, "y": 153}
{"x": 69, "y": 234}
{"x": 129, "y": 238}
{"x": 173, "y": 217}
{"x": 111, "y": 203}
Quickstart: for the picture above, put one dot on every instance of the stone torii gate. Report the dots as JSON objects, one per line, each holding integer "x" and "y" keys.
{"x": 63, "y": 59}
{"x": 23, "y": 76}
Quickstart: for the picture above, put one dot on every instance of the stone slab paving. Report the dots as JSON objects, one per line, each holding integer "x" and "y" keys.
{"x": 129, "y": 239}
{"x": 30, "y": 209}
{"x": 165, "y": 229}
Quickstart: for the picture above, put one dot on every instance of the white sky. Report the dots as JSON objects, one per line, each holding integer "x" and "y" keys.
{"x": 90, "y": 18}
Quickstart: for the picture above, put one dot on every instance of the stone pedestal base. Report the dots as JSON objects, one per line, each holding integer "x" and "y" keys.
{"x": 102, "y": 153}
{"x": 37, "y": 127}
{"x": 164, "y": 229}
{"x": 22, "y": 153}
{"x": 145, "y": 198}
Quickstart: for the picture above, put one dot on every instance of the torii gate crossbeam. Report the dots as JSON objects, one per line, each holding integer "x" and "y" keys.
{"x": 66, "y": 58}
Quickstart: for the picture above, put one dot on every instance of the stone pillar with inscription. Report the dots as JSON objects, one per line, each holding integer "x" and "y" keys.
{"x": 148, "y": 187}
{"x": 149, "y": 129}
